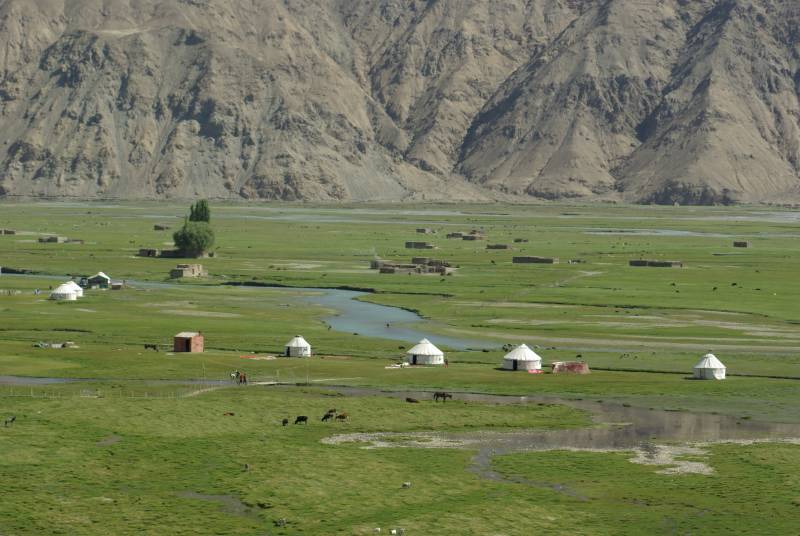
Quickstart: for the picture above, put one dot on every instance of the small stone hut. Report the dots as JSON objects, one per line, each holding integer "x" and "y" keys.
{"x": 569, "y": 367}
{"x": 187, "y": 270}
{"x": 188, "y": 341}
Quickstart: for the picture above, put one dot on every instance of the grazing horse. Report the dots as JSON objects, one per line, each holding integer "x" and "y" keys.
{"x": 301, "y": 419}
{"x": 10, "y": 420}
{"x": 151, "y": 347}
{"x": 285, "y": 422}
{"x": 412, "y": 400}
{"x": 342, "y": 417}
{"x": 441, "y": 394}
{"x": 328, "y": 416}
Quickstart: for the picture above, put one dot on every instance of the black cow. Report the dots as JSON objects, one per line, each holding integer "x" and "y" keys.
{"x": 441, "y": 395}
{"x": 301, "y": 419}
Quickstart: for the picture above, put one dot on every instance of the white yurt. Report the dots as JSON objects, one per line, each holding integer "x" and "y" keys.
{"x": 522, "y": 358}
{"x": 425, "y": 353}
{"x": 76, "y": 287}
{"x": 63, "y": 293}
{"x": 298, "y": 347}
{"x": 709, "y": 368}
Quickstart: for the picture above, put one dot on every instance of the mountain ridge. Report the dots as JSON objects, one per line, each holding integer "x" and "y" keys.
{"x": 383, "y": 100}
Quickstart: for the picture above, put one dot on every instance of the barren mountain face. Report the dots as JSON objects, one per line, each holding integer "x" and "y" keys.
{"x": 640, "y": 100}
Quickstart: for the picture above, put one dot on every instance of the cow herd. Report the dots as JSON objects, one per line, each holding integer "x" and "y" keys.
{"x": 330, "y": 415}
{"x": 334, "y": 415}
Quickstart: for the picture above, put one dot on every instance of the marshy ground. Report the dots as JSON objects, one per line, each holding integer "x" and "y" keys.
{"x": 110, "y": 437}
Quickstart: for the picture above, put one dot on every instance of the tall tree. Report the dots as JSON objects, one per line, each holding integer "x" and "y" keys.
{"x": 200, "y": 211}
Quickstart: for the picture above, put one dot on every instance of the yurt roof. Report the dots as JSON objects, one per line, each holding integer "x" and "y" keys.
{"x": 298, "y": 342}
{"x": 522, "y": 353}
{"x": 424, "y": 347}
{"x": 100, "y": 274}
{"x": 63, "y": 289}
{"x": 73, "y": 285}
{"x": 709, "y": 361}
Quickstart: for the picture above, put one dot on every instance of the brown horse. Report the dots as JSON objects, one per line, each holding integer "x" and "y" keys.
{"x": 342, "y": 417}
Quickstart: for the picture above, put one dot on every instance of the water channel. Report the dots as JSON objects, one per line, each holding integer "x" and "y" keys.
{"x": 349, "y": 313}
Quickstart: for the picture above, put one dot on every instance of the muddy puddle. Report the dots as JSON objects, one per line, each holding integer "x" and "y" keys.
{"x": 656, "y": 437}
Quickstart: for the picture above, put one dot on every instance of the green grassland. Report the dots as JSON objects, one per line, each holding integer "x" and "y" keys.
{"x": 640, "y": 329}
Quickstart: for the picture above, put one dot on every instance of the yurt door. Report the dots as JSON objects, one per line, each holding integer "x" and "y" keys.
{"x": 516, "y": 364}
{"x": 413, "y": 360}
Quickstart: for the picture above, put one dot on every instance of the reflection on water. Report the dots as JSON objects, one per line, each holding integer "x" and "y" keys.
{"x": 617, "y": 427}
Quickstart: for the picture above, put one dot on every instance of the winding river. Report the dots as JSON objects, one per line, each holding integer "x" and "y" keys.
{"x": 349, "y": 313}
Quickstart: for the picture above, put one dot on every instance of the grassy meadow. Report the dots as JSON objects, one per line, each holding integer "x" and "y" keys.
{"x": 640, "y": 329}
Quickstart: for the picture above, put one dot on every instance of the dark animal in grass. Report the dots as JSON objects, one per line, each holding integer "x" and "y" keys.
{"x": 151, "y": 347}
{"x": 11, "y": 420}
{"x": 228, "y": 414}
{"x": 285, "y": 422}
{"x": 412, "y": 400}
{"x": 301, "y": 419}
{"x": 441, "y": 395}
{"x": 332, "y": 410}
{"x": 328, "y": 416}
{"x": 342, "y": 417}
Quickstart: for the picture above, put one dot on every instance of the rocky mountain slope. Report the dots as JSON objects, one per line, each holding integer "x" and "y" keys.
{"x": 638, "y": 100}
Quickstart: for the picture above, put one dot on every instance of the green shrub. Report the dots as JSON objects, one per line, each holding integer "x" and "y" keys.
{"x": 194, "y": 238}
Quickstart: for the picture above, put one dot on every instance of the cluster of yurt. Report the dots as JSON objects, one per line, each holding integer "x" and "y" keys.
{"x": 522, "y": 358}
{"x": 297, "y": 347}
{"x": 69, "y": 291}
{"x": 424, "y": 353}
{"x": 709, "y": 368}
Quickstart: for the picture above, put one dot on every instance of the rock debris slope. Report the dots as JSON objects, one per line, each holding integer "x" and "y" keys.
{"x": 637, "y": 100}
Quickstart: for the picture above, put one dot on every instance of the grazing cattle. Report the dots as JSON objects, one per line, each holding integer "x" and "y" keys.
{"x": 285, "y": 422}
{"x": 228, "y": 414}
{"x": 328, "y": 416}
{"x": 301, "y": 419}
{"x": 441, "y": 395}
{"x": 412, "y": 400}
{"x": 151, "y": 347}
{"x": 11, "y": 420}
{"x": 342, "y": 417}
{"x": 332, "y": 410}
